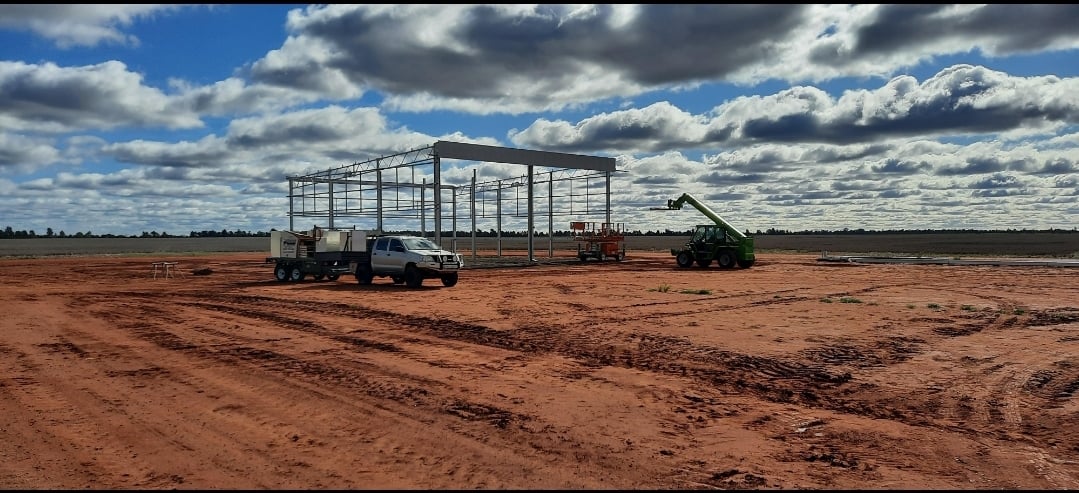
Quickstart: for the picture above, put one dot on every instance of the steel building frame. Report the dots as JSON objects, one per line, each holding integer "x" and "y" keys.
{"x": 408, "y": 186}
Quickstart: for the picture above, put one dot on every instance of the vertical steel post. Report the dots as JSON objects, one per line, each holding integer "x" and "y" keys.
{"x": 608, "y": 174}
{"x": 472, "y": 211}
{"x": 291, "y": 210}
{"x": 378, "y": 196}
{"x": 550, "y": 214}
{"x": 498, "y": 219}
{"x": 453, "y": 220}
{"x": 531, "y": 220}
{"x": 330, "y": 208}
{"x": 438, "y": 202}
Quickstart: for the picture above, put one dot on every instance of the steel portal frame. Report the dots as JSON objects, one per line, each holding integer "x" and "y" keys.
{"x": 408, "y": 186}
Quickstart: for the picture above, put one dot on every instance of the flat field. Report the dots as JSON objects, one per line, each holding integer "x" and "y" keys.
{"x": 1024, "y": 244}
{"x": 793, "y": 374}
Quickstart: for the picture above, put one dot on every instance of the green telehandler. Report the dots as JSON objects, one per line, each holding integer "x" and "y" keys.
{"x": 719, "y": 242}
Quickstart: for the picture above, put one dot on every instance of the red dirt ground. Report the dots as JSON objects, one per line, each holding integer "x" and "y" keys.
{"x": 793, "y": 374}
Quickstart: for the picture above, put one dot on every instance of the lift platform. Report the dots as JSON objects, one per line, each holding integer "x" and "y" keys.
{"x": 599, "y": 240}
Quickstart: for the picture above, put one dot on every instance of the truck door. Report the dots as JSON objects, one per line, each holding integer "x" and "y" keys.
{"x": 378, "y": 254}
{"x": 388, "y": 256}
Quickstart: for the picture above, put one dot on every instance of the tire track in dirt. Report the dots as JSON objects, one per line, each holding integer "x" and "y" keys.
{"x": 782, "y": 381}
{"x": 398, "y": 393}
{"x": 356, "y": 377}
{"x": 1015, "y": 395}
{"x": 774, "y": 379}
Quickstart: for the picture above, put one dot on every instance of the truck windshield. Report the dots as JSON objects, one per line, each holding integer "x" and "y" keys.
{"x": 420, "y": 244}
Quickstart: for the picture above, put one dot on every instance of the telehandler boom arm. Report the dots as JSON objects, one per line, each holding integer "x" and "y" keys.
{"x": 687, "y": 198}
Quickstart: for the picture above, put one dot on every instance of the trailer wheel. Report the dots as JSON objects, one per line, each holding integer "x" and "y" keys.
{"x": 296, "y": 275}
{"x": 281, "y": 272}
{"x": 413, "y": 277}
{"x": 684, "y": 259}
{"x": 449, "y": 280}
{"x": 745, "y": 264}
{"x": 726, "y": 259}
{"x": 364, "y": 275}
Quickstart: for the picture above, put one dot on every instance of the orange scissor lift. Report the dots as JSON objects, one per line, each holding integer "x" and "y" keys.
{"x": 599, "y": 240}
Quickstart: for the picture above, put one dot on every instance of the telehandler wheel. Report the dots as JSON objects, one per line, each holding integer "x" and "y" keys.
{"x": 449, "y": 280}
{"x": 364, "y": 275}
{"x": 281, "y": 272}
{"x": 684, "y": 259}
{"x": 726, "y": 259}
{"x": 413, "y": 277}
{"x": 296, "y": 274}
{"x": 745, "y": 264}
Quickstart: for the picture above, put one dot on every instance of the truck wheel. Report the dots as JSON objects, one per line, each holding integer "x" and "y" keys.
{"x": 684, "y": 259}
{"x": 449, "y": 280}
{"x": 364, "y": 275}
{"x": 397, "y": 279}
{"x": 281, "y": 272}
{"x": 745, "y": 264}
{"x": 296, "y": 275}
{"x": 726, "y": 259}
{"x": 620, "y": 257}
{"x": 332, "y": 277}
{"x": 413, "y": 277}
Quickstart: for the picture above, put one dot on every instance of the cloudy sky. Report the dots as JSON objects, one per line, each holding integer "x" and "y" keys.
{"x": 176, "y": 118}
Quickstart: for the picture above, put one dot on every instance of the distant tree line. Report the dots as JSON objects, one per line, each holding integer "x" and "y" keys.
{"x": 11, "y": 233}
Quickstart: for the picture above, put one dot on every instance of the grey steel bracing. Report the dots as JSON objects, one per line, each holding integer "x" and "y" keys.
{"x": 509, "y": 155}
{"x": 343, "y": 192}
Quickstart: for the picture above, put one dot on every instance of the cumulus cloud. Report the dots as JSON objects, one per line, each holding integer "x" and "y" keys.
{"x": 20, "y": 154}
{"x": 520, "y": 58}
{"x": 961, "y": 100}
{"x": 49, "y": 98}
{"x": 71, "y": 25}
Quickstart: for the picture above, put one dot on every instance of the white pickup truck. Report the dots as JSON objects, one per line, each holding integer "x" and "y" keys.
{"x": 406, "y": 259}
